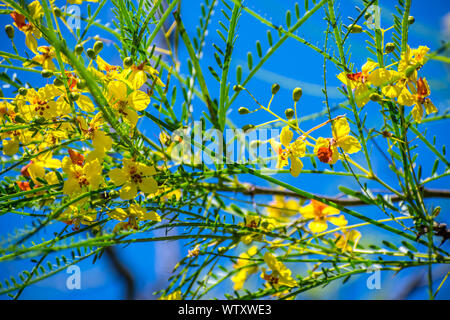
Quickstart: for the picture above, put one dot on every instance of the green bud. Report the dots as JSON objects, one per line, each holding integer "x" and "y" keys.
{"x": 375, "y": 97}
{"x": 411, "y": 19}
{"x": 19, "y": 119}
{"x": 238, "y": 88}
{"x": 221, "y": 250}
{"x": 367, "y": 15}
{"x": 293, "y": 122}
{"x": 23, "y": 91}
{"x": 390, "y": 47}
{"x": 243, "y": 110}
{"x": 98, "y": 46}
{"x": 355, "y": 29}
{"x": 79, "y": 49}
{"x": 265, "y": 224}
{"x": 9, "y": 29}
{"x": 81, "y": 84}
{"x": 57, "y": 12}
{"x": 297, "y": 94}
{"x": 436, "y": 211}
{"x": 74, "y": 96}
{"x": 46, "y": 73}
{"x": 275, "y": 88}
{"x": 127, "y": 62}
{"x": 91, "y": 53}
{"x": 410, "y": 71}
{"x": 289, "y": 113}
{"x": 58, "y": 82}
{"x": 248, "y": 127}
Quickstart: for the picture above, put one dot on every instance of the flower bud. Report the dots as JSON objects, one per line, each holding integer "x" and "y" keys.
{"x": 74, "y": 96}
{"x": 9, "y": 29}
{"x": 58, "y": 82}
{"x": 79, "y": 49}
{"x": 275, "y": 88}
{"x": 57, "y": 12}
{"x": 375, "y": 97}
{"x": 409, "y": 72}
{"x": 46, "y": 73}
{"x": 81, "y": 84}
{"x": 289, "y": 113}
{"x": 19, "y": 119}
{"x": 411, "y": 19}
{"x": 297, "y": 94}
{"x": 91, "y": 53}
{"x": 248, "y": 127}
{"x": 238, "y": 88}
{"x": 355, "y": 29}
{"x": 127, "y": 62}
{"x": 98, "y": 46}
{"x": 221, "y": 250}
{"x": 367, "y": 15}
{"x": 243, "y": 110}
{"x": 390, "y": 47}
{"x": 23, "y": 91}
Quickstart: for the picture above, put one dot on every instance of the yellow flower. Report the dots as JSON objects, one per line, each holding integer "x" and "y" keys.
{"x": 137, "y": 75}
{"x": 256, "y": 222}
{"x": 282, "y": 210}
{"x": 100, "y": 140}
{"x": 31, "y": 31}
{"x": 134, "y": 214}
{"x": 133, "y": 176}
{"x": 292, "y": 151}
{"x": 242, "y": 275}
{"x": 419, "y": 98}
{"x": 76, "y": 215}
{"x": 126, "y": 104}
{"x": 326, "y": 148}
{"x": 321, "y": 213}
{"x": 176, "y": 295}
{"x": 343, "y": 240}
{"x": 110, "y": 72}
{"x": 43, "y": 59}
{"x": 280, "y": 276}
{"x": 84, "y": 177}
{"x": 36, "y": 168}
{"x": 11, "y": 140}
{"x": 40, "y": 104}
{"x": 359, "y": 81}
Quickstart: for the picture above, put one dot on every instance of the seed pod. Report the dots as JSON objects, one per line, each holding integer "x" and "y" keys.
{"x": 74, "y": 96}
{"x": 79, "y": 49}
{"x": 91, "y": 53}
{"x": 243, "y": 110}
{"x": 289, "y": 113}
{"x": 390, "y": 47}
{"x": 355, "y": 29}
{"x": 238, "y": 88}
{"x": 57, "y": 12}
{"x": 275, "y": 88}
{"x": 411, "y": 19}
{"x": 297, "y": 94}
{"x": 248, "y": 127}
{"x": 9, "y": 29}
{"x": 127, "y": 62}
{"x": 23, "y": 91}
{"x": 81, "y": 84}
{"x": 375, "y": 97}
{"x": 436, "y": 211}
{"x": 46, "y": 73}
{"x": 58, "y": 82}
{"x": 98, "y": 46}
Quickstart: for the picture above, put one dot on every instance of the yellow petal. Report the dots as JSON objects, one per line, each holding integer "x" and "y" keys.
{"x": 286, "y": 136}
{"x": 296, "y": 166}
{"x": 118, "y": 214}
{"x": 340, "y": 128}
{"x": 118, "y": 176}
{"x": 85, "y": 104}
{"x": 349, "y": 144}
{"x": 148, "y": 185}
{"x": 128, "y": 191}
{"x": 417, "y": 112}
{"x": 139, "y": 100}
{"x": 338, "y": 221}
{"x": 317, "y": 226}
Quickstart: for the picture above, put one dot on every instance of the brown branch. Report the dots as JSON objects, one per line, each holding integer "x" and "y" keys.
{"x": 254, "y": 190}
{"x": 123, "y": 272}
